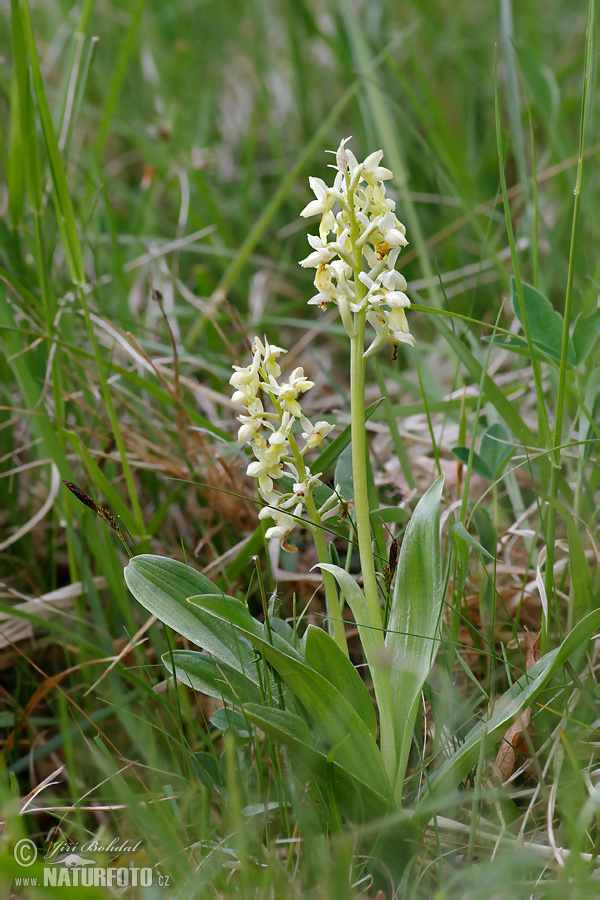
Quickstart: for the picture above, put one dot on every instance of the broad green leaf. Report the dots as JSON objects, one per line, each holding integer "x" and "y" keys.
{"x": 348, "y": 737}
{"x": 285, "y": 630}
{"x": 521, "y": 695}
{"x": 461, "y": 532}
{"x": 487, "y": 532}
{"x": 323, "y": 654}
{"x": 163, "y": 586}
{"x": 211, "y": 676}
{"x": 545, "y": 323}
{"x": 226, "y": 719}
{"x": 585, "y": 335}
{"x": 413, "y": 635}
{"x": 369, "y": 622}
{"x": 495, "y": 449}
{"x": 343, "y": 473}
{"x": 389, "y": 514}
{"x": 207, "y": 768}
{"x": 356, "y": 797}
{"x": 478, "y": 464}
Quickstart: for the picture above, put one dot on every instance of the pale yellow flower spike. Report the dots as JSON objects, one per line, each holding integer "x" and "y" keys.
{"x": 359, "y": 191}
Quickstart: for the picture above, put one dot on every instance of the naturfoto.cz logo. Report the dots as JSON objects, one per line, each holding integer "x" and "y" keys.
{"x": 76, "y": 870}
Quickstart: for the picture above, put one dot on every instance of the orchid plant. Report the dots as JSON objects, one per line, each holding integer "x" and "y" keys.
{"x": 355, "y": 254}
{"x": 325, "y": 715}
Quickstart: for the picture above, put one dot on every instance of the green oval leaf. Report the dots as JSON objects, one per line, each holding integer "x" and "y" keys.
{"x": 211, "y": 676}
{"x": 495, "y": 448}
{"x": 226, "y": 719}
{"x": 413, "y": 634}
{"x": 585, "y": 334}
{"x": 389, "y": 514}
{"x": 545, "y": 323}
{"x": 461, "y": 532}
{"x": 163, "y": 586}
{"x": 352, "y": 743}
{"x": 323, "y": 654}
{"x": 478, "y": 464}
{"x": 208, "y": 770}
{"x": 356, "y": 797}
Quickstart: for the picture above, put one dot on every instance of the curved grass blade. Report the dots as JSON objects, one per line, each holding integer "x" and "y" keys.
{"x": 521, "y": 695}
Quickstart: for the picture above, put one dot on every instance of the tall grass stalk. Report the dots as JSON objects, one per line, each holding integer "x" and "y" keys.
{"x": 562, "y": 373}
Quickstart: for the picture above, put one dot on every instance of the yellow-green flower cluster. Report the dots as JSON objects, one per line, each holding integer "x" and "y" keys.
{"x": 357, "y": 247}
{"x": 271, "y": 437}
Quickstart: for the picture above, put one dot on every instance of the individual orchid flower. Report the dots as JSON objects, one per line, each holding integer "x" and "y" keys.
{"x": 252, "y": 424}
{"x": 346, "y": 160}
{"x": 324, "y": 201}
{"x": 387, "y": 235}
{"x": 315, "y": 435}
{"x": 284, "y": 525}
{"x": 303, "y": 488}
{"x": 268, "y": 465}
{"x": 399, "y": 327}
{"x": 246, "y": 380}
{"x": 372, "y": 171}
{"x": 322, "y": 252}
{"x": 269, "y": 354}
{"x": 288, "y": 391}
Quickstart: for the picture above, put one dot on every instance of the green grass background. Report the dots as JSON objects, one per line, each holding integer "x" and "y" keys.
{"x": 173, "y": 141}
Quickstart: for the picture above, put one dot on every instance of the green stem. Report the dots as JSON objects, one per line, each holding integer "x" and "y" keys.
{"x": 359, "y": 471}
{"x": 369, "y": 619}
{"x": 370, "y": 622}
{"x": 334, "y": 607}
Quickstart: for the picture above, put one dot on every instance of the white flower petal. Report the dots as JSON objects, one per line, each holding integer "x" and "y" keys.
{"x": 314, "y": 208}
